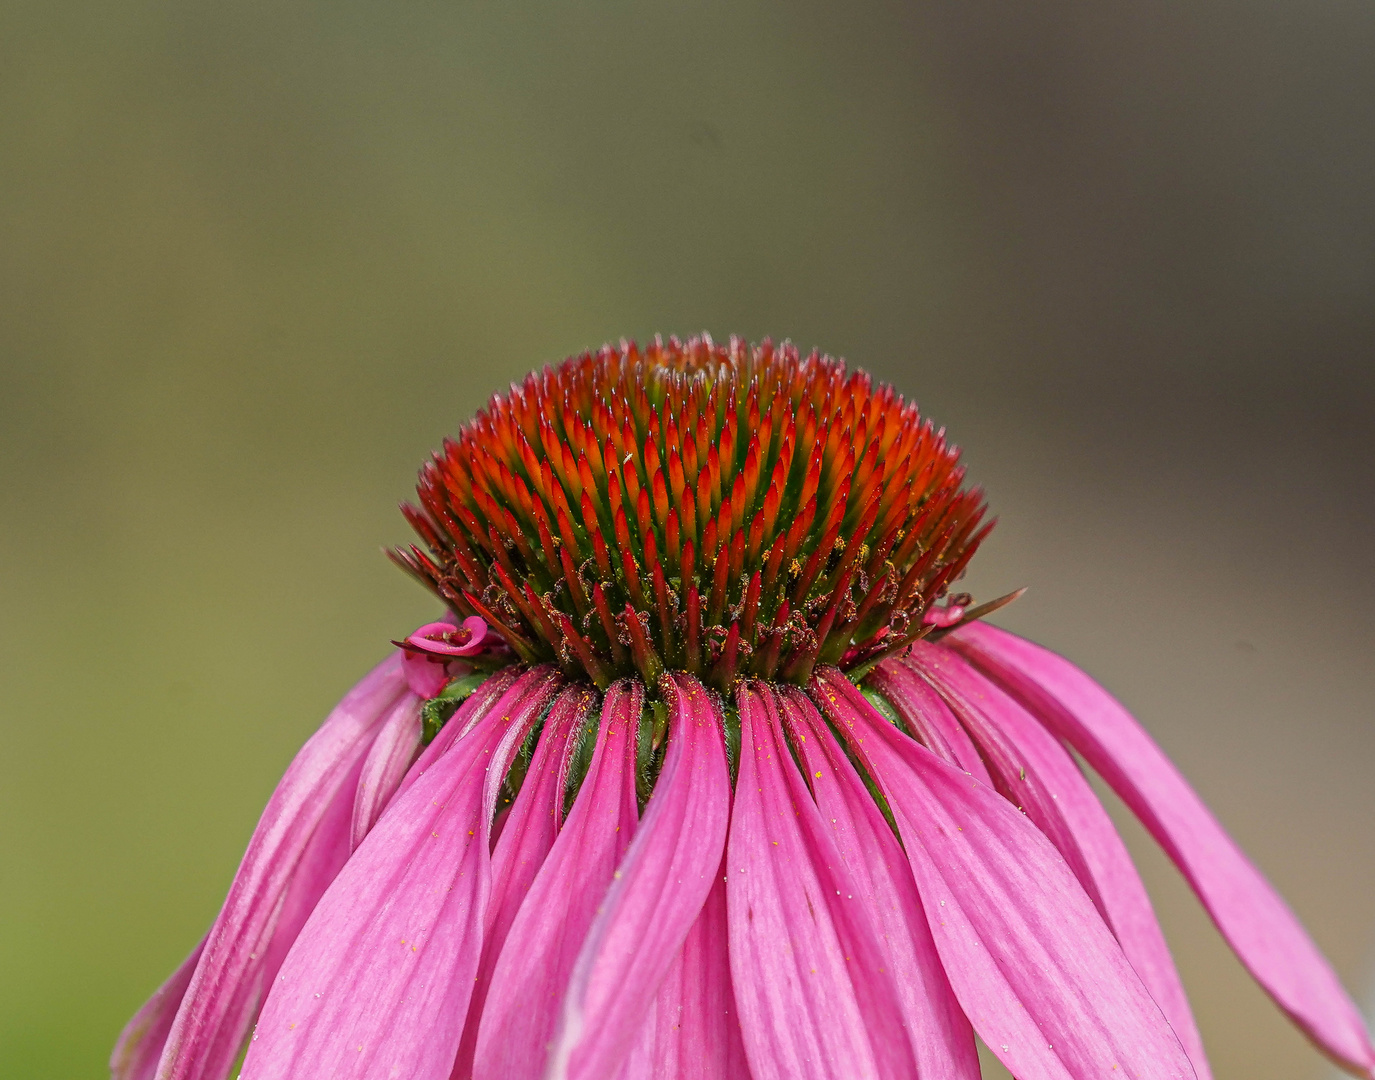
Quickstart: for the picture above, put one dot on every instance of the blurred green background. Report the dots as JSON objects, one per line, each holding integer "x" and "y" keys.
{"x": 256, "y": 259}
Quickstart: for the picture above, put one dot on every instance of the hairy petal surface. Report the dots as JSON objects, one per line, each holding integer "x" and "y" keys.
{"x": 298, "y": 847}
{"x": 792, "y": 964}
{"x": 1035, "y": 772}
{"x": 526, "y": 838}
{"x": 1037, "y": 971}
{"x": 140, "y": 1045}
{"x": 397, "y": 743}
{"x": 378, "y": 982}
{"x": 941, "y": 1038}
{"x": 1257, "y": 924}
{"x": 657, "y": 894}
{"x": 531, "y": 974}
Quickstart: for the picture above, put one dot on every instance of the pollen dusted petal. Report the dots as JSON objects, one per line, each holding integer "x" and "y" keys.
{"x": 1251, "y": 916}
{"x": 941, "y": 1038}
{"x": 1034, "y": 771}
{"x": 693, "y": 1029}
{"x": 656, "y": 897}
{"x": 531, "y": 975}
{"x": 378, "y": 982}
{"x": 297, "y": 848}
{"x": 1037, "y": 971}
{"x": 792, "y": 954}
{"x": 141, "y": 1042}
{"x": 526, "y": 838}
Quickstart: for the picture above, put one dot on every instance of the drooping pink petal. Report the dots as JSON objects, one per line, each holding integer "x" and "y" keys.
{"x": 397, "y": 743}
{"x": 299, "y": 845}
{"x": 504, "y": 689}
{"x": 1252, "y": 917}
{"x": 378, "y": 981}
{"x": 1035, "y": 772}
{"x": 657, "y": 894}
{"x": 929, "y": 718}
{"x": 531, "y": 974}
{"x": 526, "y": 838}
{"x": 798, "y": 965}
{"x": 140, "y": 1044}
{"x": 693, "y": 1029}
{"x": 940, "y": 1035}
{"x": 1035, "y": 968}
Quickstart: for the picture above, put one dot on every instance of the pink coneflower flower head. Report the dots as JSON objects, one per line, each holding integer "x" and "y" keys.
{"x": 708, "y": 772}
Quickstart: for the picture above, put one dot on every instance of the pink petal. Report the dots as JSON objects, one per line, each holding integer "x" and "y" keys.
{"x": 525, "y": 841}
{"x": 799, "y": 968}
{"x": 397, "y": 743}
{"x": 505, "y": 689}
{"x": 531, "y": 974}
{"x": 1035, "y": 772}
{"x": 657, "y": 895}
{"x": 693, "y": 1029}
{"x": 942, "y": 1040}
{"x": 928, "y": 718}
{"x": 299, "y": 845}
{"x": 424, "y": 676}
{"x": 379, "y": 979}
{"x": 1251, "y": 916}
{"x": 140, "y": 1043}
{"x": 1036, "y": 970}
{"x": 432, "y": 637}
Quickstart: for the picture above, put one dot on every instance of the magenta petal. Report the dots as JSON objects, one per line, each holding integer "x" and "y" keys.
{"x": 397, "y": 743}
{"x": 531, "y": 974}
{"x": 693, "y": 1029}
{"x": 799, "y": 969}
{"x": 141, "y": 1042}
{"x": 929, "y": 718}
{"x": 1035, "y": 968}
{"x": 526, "y": 839}
{"x": 299, "y": 845}
{"x": 377, "y": 984}
{"x": 1249, "y": 913}
{"x": 1035, "y": 772}
{"x": 657, "y": 895}
{"x": 424, "y": 676}
{"x": 941, "y": 1038}
{"x": 505, "y": 689}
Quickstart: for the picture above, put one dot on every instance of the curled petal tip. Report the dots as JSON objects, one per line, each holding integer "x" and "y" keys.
{"x": 445, "y": 639}
{"x": 428, "y": 654}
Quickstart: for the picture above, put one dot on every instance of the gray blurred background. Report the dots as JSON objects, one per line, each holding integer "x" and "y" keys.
{"x": 257, "y": 259}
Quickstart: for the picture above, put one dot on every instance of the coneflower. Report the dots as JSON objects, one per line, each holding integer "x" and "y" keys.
{"x": 707, "y": 772}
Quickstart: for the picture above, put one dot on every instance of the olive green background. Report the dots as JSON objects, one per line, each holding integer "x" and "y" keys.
{"x": 257, "y": 258}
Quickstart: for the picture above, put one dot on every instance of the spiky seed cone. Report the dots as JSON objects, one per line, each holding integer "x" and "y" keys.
{"x": 722, "y": 510}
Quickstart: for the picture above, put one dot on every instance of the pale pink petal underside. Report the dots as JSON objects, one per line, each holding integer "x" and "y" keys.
{"x": 1034, "y": 771}
{"x": 141, "y": 1042}
{"x": 378, "y": 982}
{"x": 657, "y": 895}
{"x": 528, "y": 983}
{"x": 1035, "y": 968}
{"x": 790, "y": 967}
{"x": 297, "y": 848}
{"x": 397, "y": 743}
{"x": 1252, "y": 917}
{"x": 941, "y": 1038}
{"x": 526, "y": 838}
